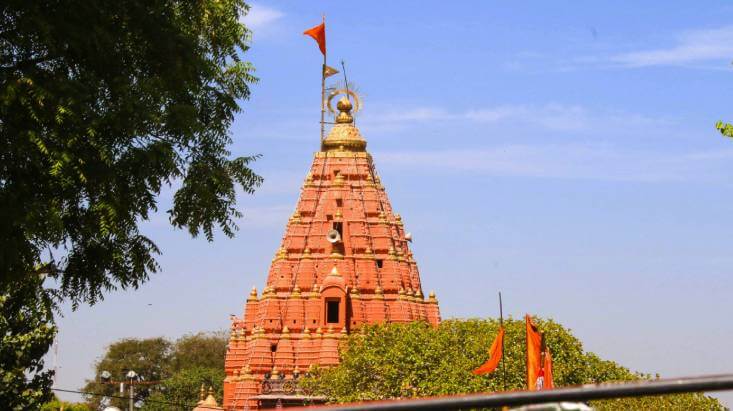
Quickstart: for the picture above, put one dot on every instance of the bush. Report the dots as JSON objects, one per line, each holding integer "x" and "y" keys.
{"x": 416, "y": 360}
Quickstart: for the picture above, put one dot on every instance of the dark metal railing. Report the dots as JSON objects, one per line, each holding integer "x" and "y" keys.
{"x": 578, "y": 394}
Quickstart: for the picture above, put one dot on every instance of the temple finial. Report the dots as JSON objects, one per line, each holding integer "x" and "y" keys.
{"x": 344, "y": 136}
{"x": 344, "y": 116}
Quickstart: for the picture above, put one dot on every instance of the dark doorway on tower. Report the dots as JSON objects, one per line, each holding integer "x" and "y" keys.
{"x": 332, "y": 311}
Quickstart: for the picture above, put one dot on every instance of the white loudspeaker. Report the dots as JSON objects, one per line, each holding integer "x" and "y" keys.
{"x": 333, "y": 236}
{"x": 408, "y": 237}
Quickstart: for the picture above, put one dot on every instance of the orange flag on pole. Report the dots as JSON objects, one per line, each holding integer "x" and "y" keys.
{"x": 319, "y": 35}
{"x": 548, "y": 383}
{"x": 534, "y": 353}
{"x": 495, "y": 353}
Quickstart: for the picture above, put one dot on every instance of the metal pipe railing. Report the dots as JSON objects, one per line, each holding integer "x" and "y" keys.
{"x": 580, "y": 393}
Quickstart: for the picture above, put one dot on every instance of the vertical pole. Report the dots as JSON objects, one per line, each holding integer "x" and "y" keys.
{"x": 526, "y": 352}
{"x": 323, "y": 91}
{"x": 346, "y": 84}
{"x": 132, "y": 395}
{"x": 346, "y": 80}
{"x": 503, "y": 353}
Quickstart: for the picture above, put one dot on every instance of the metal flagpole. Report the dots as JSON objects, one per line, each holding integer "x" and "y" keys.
{"x": 526, "y": 352}
{"x": 323, "y": 89}
{"x": 503, "y": 353}
{"x": 346, "y": 81}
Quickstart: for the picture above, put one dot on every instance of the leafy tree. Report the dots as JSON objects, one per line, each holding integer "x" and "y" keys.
{"x": 200, "y": 350}
{"x": 181, "y": 367}
{"x": 58, "y": 405}
{"x": 26, "y": 333}
{"x": 417, "y": 360}
{"x": 149, "y": 358}
{"x": 725, "y": 129}
{"x": 183, "y": 388}
{"x": 102, "y": 103}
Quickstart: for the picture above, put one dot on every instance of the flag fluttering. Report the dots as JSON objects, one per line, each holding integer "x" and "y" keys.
{"x": 547, "y": 367}
{"x": 329, "y": 71}
{"x": 495, "y": 353}
{"x": 534, "y": 354}
{"x": 319, "y": 35}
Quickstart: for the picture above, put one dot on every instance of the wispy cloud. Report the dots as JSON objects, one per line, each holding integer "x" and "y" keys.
{"x": 551, "y": 116}
{"x": 708, "y": 48}
{"x": 698, "y": 46}
{"x": 569, "y": 161}
{"x": 261, "y": 17}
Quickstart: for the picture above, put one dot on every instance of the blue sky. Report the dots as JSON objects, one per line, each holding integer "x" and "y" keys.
{"x": 561, "y": 152}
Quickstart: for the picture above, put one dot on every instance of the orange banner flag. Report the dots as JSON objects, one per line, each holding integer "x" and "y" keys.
{"x": 534, "y": 353}
{"x": 548, "y": 383}
{"x": 319, "y": 35}
{"x": 495, "y": 353}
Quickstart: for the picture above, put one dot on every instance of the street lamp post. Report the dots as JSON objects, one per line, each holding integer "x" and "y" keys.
{"x": 132, "y": 379}
{"x": 132, "y": 375}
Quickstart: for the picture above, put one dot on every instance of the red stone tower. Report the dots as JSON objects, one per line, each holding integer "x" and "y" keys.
{"x": 344, "y": 261}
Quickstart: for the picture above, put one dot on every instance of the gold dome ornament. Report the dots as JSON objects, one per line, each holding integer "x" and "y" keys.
{"x": 344, "y": 136}
{"x": 295, "y": 218}
{"x": 281, "y": 254}
{"x": 344, "y": 106}
{"x": 348, "y": 95}
{"x": 252, "y": 295}
{"x": 296, "y": 292}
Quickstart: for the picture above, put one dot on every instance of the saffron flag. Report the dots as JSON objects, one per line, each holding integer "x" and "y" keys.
{"x": 534, "y": 353}
{"x": 319, "y": 35}
{"x": 495, "y": 353}
{"x": 329, "y": 71}
{"x": 548, "y": 383}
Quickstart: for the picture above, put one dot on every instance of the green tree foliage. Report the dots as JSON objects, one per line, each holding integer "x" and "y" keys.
{"x": 58, "y": 405}
{"x": 182, "y": 388}
{"x": 725, "y": 129}
{"x": 149, "y": 358}
{"x": 417, "y": 360}
{"x": 102, "y": 104}
{"x": 200, "y": 350}
{"x": 181, "y": 367}
{"x": 26, "y": 333}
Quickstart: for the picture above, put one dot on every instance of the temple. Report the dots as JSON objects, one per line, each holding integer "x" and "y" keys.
{"x": 344, "y": 261}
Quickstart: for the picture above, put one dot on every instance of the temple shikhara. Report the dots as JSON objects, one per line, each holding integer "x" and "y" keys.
{"x": 344, "y": 261}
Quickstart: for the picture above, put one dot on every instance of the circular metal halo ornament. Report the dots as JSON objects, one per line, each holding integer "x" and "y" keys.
{"x": 289, "y": 387}
{"x": 343, "y": 91}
